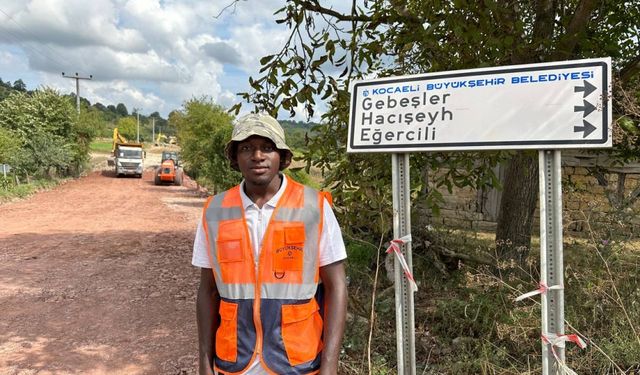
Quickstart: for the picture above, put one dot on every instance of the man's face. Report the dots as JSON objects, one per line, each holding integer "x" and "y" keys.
{"x": 258, "y": 160}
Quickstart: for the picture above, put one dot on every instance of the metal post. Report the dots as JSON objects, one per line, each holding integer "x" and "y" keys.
{"x": 78, "y": 95}
{"x": 138, "y": 127}
{"x": 551, "y": 262}
{"x": 405, "y": 321}
{"x": 77, "y": 78}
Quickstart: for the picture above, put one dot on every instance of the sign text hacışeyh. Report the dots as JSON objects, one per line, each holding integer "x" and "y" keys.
{"x": 537, "y": 106}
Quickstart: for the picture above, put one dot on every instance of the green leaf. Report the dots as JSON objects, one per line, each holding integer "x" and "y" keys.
{"x": 266, "y": 59}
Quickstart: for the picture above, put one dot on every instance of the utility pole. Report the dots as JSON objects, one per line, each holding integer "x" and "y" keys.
{"x": 78, "y": 78}
{"x": 138, "y": 120}
{"x": 138, "y": 129}
{"x": 153, "y": 137}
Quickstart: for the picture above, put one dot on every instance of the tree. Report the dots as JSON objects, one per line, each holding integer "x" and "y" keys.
{"x": 84, "y": 102}
{"x": 5, "y": 89}
{"x": 404, "y": 37}
{"x": 19, "y": 85}
{"x": 121, "y": 109}
{"x": 45, "y": 127}
{"x": 9, "y": 145}
{"x": 100, "y": 107}
{"x": 203, "y": 130}
{"x": 128, "y": 127}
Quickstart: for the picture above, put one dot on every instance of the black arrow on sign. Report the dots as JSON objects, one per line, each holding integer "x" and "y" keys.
{"x": 586, "y": 128}
{"x": 586, "y": 108}
{"x": 587, "y": 89}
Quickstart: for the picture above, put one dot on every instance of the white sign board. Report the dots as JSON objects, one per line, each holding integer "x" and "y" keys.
{"x": 537, "y": 106}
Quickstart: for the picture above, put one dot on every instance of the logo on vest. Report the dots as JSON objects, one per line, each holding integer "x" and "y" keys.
{"x": 287, "y": 258}
{"x": 289, "y": 252}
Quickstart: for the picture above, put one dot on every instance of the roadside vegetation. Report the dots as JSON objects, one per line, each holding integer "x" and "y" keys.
{"x": 467, "y": 321}
{"x": 42, "y": 140}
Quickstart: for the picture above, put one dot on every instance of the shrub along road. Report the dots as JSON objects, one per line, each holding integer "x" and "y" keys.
{"x": 95, "y": 278}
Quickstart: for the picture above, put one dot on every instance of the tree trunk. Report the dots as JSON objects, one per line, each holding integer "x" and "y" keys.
{"x": 519, "y": 197}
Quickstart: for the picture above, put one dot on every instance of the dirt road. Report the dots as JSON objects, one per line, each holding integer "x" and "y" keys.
{"x": 95, "y": 278}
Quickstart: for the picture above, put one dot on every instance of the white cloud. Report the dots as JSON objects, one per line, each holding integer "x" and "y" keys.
{"x": 72, "y": 23}
{"x": 227, "y": 99}
{"x": 106, "y": 64}
{"x": 222, "y": 52}
{"x": 153, "y": 54}
{"x": 161, "y": 25}
{"x": 257, "y": 41}
{"x": 9, "y": 59}
{"x": 132, "y": 97}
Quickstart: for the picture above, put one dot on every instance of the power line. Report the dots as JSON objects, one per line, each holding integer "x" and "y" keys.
{"x": 53, "y": 54}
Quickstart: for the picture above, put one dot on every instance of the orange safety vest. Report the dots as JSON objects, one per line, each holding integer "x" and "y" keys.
{"x": 272, "y": 307}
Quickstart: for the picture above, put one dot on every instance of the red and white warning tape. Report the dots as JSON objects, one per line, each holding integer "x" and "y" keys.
{"x": 558, "y": 341}
{"x": 555, "y": 340}
{"x": 542, "y": 289}
{"x": 394, "y": 247}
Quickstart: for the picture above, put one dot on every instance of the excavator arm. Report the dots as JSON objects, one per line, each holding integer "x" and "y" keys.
{"x": 117, "y": 138}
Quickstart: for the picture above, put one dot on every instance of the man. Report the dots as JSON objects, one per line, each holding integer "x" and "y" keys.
{"x": 272, "y": 296}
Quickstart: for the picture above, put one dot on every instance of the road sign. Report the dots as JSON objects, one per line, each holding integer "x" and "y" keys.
{"x": 537, "y": 106}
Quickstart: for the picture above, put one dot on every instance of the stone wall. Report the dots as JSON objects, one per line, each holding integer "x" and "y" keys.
{"x": 584, "y": 198}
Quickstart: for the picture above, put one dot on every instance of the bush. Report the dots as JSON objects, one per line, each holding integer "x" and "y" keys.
{"x": 45, "y": 134}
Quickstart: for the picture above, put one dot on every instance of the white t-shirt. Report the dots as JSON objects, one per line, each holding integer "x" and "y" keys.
{"x": 331, "y": 244}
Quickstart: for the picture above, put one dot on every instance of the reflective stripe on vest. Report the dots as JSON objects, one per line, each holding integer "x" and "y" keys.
{"x": 288, "y": 328}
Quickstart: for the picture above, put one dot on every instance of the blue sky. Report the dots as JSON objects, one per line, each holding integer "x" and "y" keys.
{"x": 147, "y": 54}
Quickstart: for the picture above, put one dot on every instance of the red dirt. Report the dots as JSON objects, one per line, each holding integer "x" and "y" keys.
{"x": 96, "y": 278}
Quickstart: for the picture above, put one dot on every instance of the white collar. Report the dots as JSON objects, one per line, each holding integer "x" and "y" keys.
{"x": 247, "y": 202}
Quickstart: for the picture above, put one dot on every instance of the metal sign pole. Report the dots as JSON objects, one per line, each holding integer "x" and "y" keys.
{"x": 405, "y": 321}
{"x": 551, "y": 262}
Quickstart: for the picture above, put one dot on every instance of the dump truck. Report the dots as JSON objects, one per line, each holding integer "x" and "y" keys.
{"x": 128, "y": 157}
{"x": 170, "y": 170}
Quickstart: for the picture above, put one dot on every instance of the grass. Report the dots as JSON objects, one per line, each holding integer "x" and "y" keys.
{"x": 101, "y": 146}
{"x": 9, "y": 190}
{"x": 467, "y": 322}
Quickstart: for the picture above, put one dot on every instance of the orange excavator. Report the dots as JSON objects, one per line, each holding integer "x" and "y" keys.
{"x": 169, "y": 171}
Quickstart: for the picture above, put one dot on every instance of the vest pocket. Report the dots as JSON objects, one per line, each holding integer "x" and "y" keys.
{"x": 290, "y": 257}
{"x": 302, "y": 331}
{"x": 230, "y": 251}
{"x": 227, "y": 334}
{"x": 229, "y": 241}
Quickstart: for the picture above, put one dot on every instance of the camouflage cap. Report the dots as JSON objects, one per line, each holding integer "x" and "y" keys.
{"x": 260, "y": 124}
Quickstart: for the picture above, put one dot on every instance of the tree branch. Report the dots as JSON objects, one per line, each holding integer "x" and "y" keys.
{"x": 576, "y": 27}
{"x": 543, "y": 24}
{"x": 233, "y": 4}
{"x": 400, "y": 6}
{"x": 314, "y": 6}
{"x": 479, "y": 258}
{"x": 635, "y": 194}
{"x": 599, "y": 175}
